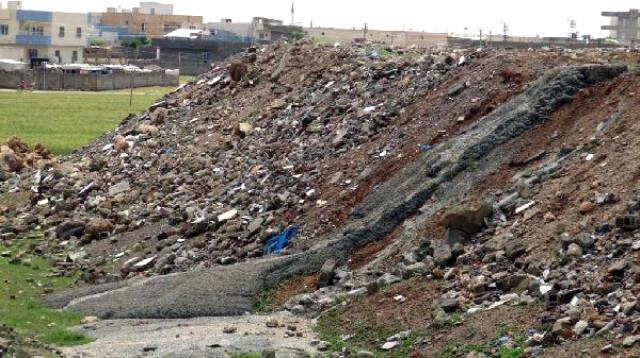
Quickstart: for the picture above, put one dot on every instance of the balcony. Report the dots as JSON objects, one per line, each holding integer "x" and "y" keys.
{"x": 25, "y": 38}
{"x": 30, "y": 15}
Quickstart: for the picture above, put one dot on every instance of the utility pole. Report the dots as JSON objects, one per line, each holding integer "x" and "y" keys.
{"x": 505, "y": 30}
{"x": 366, "y": 29}
{"x": 292, "y": 14}
{"x": 480, "y": 37}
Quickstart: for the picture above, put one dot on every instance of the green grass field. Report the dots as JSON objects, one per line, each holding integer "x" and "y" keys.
{"x": 65, "y": 121}
{"x": 22, "y": 285}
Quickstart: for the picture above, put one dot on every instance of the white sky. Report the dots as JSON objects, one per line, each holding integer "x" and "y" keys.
{"x": 530, "y": 18}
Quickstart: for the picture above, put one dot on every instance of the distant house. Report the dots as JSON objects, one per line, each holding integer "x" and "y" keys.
{"x": 39, "y": 36}
{"x": 150, "y": 19}
{"x": 261, "y": 30}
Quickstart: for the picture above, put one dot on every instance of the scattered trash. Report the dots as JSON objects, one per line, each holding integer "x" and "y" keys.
{"x": 525, "y": 207}
{"x": 277, "y": 243}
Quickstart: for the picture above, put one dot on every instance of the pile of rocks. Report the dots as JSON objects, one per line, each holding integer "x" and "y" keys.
{"x": 213, "y": 170}
{"x": 16, "y": 156}
{"x": 13, "y": 344}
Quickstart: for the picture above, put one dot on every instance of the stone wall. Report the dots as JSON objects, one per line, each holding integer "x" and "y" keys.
{"x": 58, "y": 80}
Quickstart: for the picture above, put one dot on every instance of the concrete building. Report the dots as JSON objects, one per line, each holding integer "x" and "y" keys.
{"x": 27, "y": 35}
{"x": 263, "y": 30}
{"x": 623, "y": 26}
{"x": 149, "y": 19}
{"x": 237, "y": 28}
{"x": 154, "y": 8}
{"x": 347, "y": 37}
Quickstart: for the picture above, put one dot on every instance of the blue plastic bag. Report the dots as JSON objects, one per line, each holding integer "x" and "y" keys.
{"x": 277, "y": 243}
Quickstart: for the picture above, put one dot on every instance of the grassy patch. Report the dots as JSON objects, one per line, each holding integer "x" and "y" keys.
{"x": 65, "y": 121}
{"x": 245, "y": 355}
{"x": 512, "y": 350}
{"x": 22, "y": 285}
{"x": 369, "y": 338}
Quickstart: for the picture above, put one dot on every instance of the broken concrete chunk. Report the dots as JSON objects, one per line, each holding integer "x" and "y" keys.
{"x": 99, "y": 226}
{"x": 121, "y": 187}
{"x": 228, "y": 215}
{"x": 327, "y": 272}
{"x": 467, "y": 218}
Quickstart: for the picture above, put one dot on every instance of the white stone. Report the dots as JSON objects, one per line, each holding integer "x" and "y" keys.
{"x": 390, "y": 345}
{"x": 227, "y": 215}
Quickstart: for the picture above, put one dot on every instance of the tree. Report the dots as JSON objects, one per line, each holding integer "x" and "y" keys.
{"x": 136, "y": 42}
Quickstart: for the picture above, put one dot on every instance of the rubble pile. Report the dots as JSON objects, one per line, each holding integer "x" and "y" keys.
{"x": 212, "y": 171}
{"x": 16, "y": 156}
{"x": 278, "y": 145}
{"x": 556, "y": 232}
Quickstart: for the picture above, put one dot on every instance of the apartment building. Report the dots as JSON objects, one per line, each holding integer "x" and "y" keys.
{"x": 624, "y": 26}
{"x": 29, "y": 35}
{"x": 149, "y": 19}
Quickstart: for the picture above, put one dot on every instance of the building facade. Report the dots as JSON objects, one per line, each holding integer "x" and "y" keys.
{"x": 347, "y": 37}
{"x": 28, "y": 35}
{"x": 150, "y": 19}
{"x": 261, "y": 29}
{"x": 623, "y": 26}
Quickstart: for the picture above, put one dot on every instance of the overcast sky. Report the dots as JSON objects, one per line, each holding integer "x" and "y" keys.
{"x": 537, "y": 17}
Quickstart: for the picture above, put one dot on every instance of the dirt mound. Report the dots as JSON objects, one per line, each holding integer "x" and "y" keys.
{"x": 369, "y": 163}
{"x": 291, "y": 135}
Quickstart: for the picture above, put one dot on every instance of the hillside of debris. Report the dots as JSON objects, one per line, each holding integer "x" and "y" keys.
{"x": 284, "y": 137}
{"x": 454, "y": 202}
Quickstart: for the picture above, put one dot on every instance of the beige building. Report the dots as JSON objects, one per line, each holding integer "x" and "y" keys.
{"x": 150, "y": 19}
{"x": 27, "y": 35}
{"x": 390, "y": 38}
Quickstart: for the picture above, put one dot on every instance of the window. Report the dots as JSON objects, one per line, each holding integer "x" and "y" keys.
{"x": 153, "y": 11}
{"x": 61, "y": 31}
{"x": 37, "y": 31}
{"x": 78, "y": 32}
{"x": 171, "y": 26}
{"x": 4, "y": 30}
{"x": 74, "y": 57}
{"x": 143, "y": 27}
{"x": 33, "y": 53}
{"x": 57, "y": 56}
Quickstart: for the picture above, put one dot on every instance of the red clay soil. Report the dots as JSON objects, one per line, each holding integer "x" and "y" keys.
{"x": 614, "y": 170}
{"x": 611, "y": 170}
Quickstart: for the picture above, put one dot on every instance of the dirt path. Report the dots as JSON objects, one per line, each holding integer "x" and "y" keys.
{"x": 196, "y": 337}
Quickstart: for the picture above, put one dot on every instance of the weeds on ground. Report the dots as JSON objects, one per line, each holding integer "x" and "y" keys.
{"x": 361, "y": 338}
{"x": 23, "y": 283}
{"x": 245, "y": 355}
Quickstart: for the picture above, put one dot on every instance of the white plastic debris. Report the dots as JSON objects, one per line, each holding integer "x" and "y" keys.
{"x": 399, "y": 298}
{"x": 369, "y": 109}
{"x": 525, "y": 207}
{"x": 544, "y": 288}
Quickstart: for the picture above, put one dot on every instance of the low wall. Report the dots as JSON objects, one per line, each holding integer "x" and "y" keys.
{"x": 58, "y": 80}
{"x": 529, "y": 43}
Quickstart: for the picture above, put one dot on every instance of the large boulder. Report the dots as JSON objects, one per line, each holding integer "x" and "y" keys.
{"x": 10, "y": 162}
{"x": 467, "y": 218}
{"x": 69, "y": 228}
{"x": 95, "y": 227}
